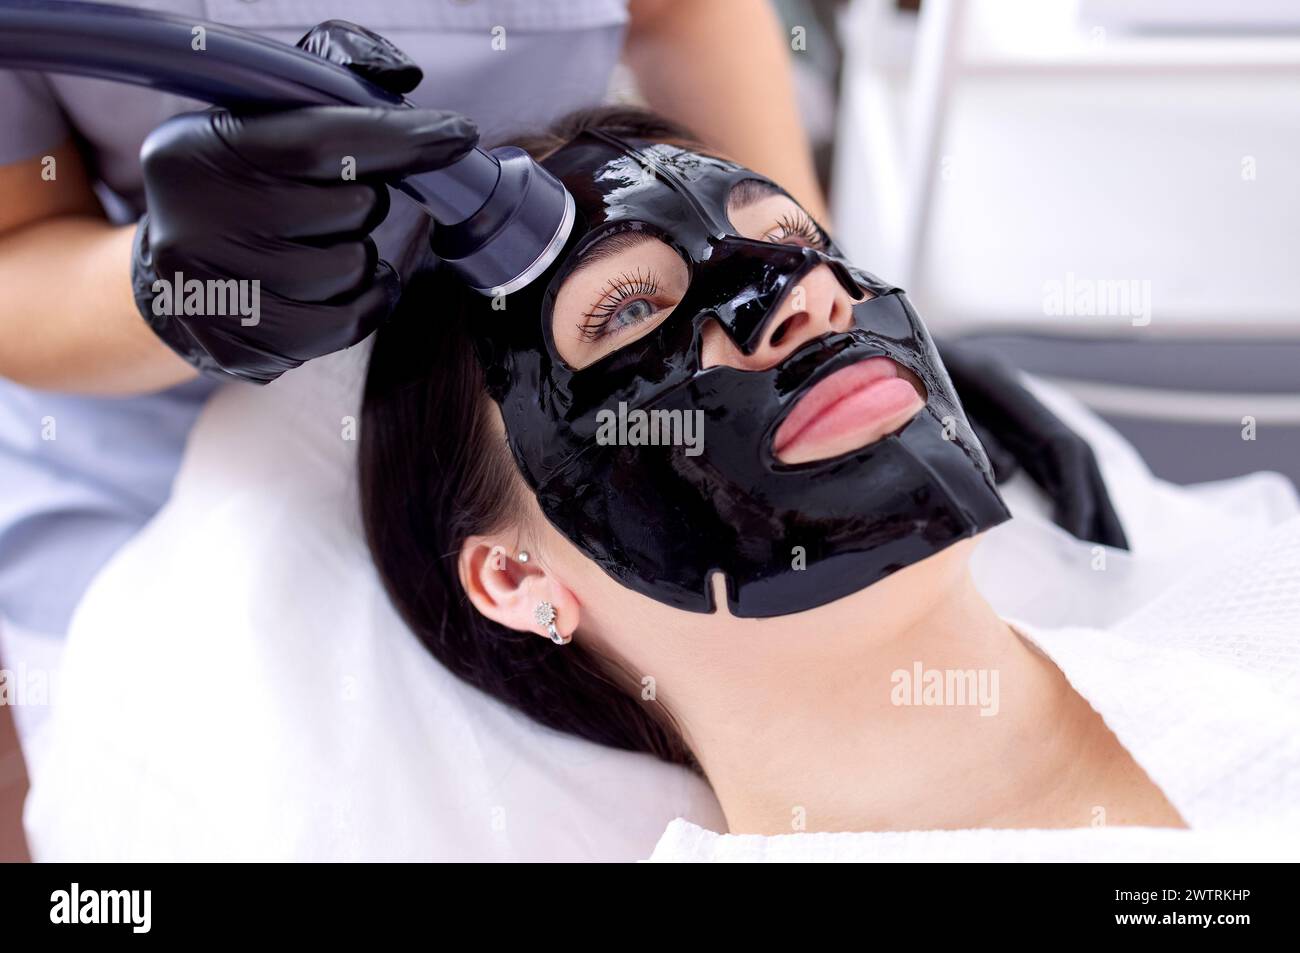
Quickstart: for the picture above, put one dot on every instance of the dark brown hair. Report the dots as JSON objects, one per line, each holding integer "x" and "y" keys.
{"x": 433, "y": 472}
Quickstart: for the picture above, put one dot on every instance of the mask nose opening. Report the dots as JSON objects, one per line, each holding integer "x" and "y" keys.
{"x": 855, "y": 290}
{"x": 749, "y": 335}
{"x": 811, "y": 258}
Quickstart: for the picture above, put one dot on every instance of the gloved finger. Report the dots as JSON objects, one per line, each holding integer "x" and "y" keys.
{"x": 304, "y": 273}
{"x": 1001, "y": 459}
{"x": 278, "y": 344}
{"x": 1072, "y": 503}
{"x": 1082, "y": 505}
{"x": 367, "y": 54}
{"x": 336, "y": 324}
{"x": 324, "y": 143}
{"x": 313, "y": 268}
{"x": 302, "y": 210}
{"x": 323, "y": 273}
{"x": 1104, "y": 525}
{"x": 308, "y": 211}
{"x": 1109, "y": 529}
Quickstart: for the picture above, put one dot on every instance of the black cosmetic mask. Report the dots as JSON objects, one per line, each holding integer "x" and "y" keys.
{"x": 786, "y": 537}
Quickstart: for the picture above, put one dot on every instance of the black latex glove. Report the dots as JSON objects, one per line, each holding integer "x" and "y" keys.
{"x": 1017, "y": 430}
{"x": 264, "y": 198}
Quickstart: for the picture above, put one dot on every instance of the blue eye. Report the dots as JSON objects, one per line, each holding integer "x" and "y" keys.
{"x": 625, "y": 303}
{"x": 634, "y": 313}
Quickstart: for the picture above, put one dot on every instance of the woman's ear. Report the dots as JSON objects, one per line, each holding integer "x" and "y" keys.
{"x": 508, "y": 591}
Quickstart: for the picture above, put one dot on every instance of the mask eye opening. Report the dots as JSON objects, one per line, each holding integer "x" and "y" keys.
{"x": 750, "y": 189}
{"x": 653, "y": 234}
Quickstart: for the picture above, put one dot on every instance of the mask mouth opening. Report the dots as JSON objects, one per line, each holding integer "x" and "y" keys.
{"x": 845, "y": 407}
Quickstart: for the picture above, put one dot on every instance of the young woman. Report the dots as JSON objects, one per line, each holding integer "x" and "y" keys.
{"x": 509, "y": 508}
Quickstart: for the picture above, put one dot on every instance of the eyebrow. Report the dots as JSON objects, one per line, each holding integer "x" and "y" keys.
{"x": 748, "y": 191}
{"x": 612, "y": 245}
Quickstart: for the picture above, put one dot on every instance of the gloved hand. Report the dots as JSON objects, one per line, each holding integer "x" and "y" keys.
{"x": 265, "y": 197}
{"x": 1016, "y": 429}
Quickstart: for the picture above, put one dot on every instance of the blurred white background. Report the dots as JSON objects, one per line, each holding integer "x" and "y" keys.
{"x": 1106, "y": 192}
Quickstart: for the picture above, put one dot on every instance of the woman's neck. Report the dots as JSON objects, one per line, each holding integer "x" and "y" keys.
{"x": 905, "y": 709}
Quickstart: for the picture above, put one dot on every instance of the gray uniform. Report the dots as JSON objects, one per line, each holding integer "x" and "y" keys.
{"x": 67, "y": 503}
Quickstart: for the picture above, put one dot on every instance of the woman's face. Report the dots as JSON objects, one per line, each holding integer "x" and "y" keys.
{"x": 630, "y": 282}
{"x": 708, "y": 400}
{"x": 627, "y": 286}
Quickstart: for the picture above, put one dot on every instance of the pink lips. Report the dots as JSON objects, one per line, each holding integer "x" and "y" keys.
{"x": 853, "y": 407}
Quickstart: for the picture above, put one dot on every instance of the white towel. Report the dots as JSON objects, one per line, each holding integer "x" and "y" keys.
{"x": 684, "y": 842}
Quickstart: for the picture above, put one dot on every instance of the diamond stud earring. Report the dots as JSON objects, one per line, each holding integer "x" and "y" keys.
{"x": 545, "y": 615}
{"x": 523, "y": 556}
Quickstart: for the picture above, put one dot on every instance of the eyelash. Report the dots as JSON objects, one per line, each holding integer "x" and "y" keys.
{"x": 619, "y": 291}
{"x": 800, "y": 225}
